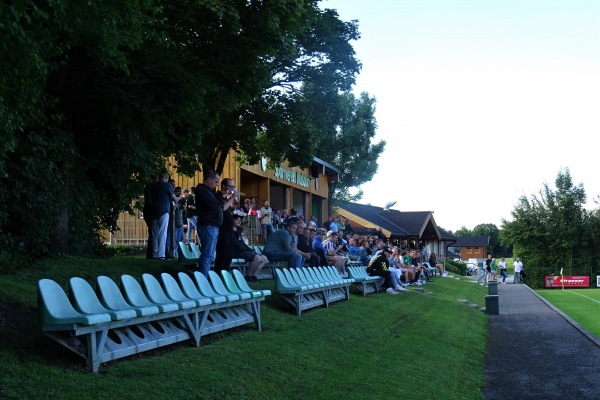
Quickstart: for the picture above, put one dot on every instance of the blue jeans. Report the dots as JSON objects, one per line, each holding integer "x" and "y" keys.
{"x": 208, "y": 242}
{"x": 159, "y": 235}
{"x": 516, "y": 277}
{"x": 191, "y": 225}
{"x": 266, "y": 231}
{"x": 294, "y": 260}
{"x": 178, "y": 238}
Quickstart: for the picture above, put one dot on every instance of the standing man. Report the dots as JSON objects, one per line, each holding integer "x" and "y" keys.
{"x": 265, "y": 216}
{"x": 488, "y": 268}
{"x": 190, "y": 212}
{"x": 148, "y": 217}
{"x": 225, "y": 244}
{"x": 518, "y": 268}
{"x": 279, "y": 247}
{"x": 162, "y": 194}
{"x": 209, "y": 219}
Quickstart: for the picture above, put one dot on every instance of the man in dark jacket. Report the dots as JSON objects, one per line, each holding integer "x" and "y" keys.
{"x": 379, "y": 266}
{"x": 209, "y": 219}
{"x": 225, "y": 239}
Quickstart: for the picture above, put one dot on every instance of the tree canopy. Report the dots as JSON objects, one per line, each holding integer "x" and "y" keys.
{"x": 553, "y": 230}
{"x": 94, "y": 96}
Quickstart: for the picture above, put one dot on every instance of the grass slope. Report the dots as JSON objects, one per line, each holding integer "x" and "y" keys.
{"x": 380, "y": 346}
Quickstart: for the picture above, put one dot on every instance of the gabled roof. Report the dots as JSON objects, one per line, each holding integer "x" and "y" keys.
{"x": 472, "y": 241}
{"x": 405, "y": 224}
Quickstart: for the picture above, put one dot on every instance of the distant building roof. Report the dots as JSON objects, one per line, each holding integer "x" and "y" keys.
{"x": 404, "y": 224}
{"x": 472, "y": 241}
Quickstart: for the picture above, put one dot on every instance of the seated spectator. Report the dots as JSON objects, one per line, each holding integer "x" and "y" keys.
{"x": 368, "y": 253}
{"x": 317, "y": 246}
{"x": 435, "y": 264}
{"x": 241, "y": 250}
{"x": 332, "y": 250}
{"x": 398, "y": 270}
{"x": 279, "y": 247}
{"x": 411, "y": 270}
{"x": 354, "y": 253}
{"x": 305, "y": 250}
{"x": 379, "y": 266}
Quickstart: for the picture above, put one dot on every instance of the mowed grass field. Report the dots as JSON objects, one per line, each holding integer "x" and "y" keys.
{"x": 582, "y": 305}
{"x": 408, "y": 346}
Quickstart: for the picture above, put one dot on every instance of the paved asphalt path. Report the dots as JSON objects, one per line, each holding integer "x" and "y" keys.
{"x": 534, "y": 351}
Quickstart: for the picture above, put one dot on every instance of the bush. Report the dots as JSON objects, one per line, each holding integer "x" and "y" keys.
{"x": 456, "y": 267}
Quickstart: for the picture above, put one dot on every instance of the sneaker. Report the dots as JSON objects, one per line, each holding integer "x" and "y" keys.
{"x": 390, "y": 291}
{"x": 402, "y": 289}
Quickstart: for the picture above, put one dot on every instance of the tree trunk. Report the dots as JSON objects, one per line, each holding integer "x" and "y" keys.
{"x": 59, "y": 242}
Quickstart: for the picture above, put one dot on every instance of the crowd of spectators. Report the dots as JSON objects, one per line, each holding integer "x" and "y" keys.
{"x": 226, "y": 228}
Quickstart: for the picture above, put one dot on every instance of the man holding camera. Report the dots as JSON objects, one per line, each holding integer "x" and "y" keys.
{"x": 225, "y": 244}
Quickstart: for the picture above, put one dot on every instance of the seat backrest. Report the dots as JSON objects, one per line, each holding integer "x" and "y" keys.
{"x": 289, "y": 277}
{"x": 54, "y": 307}
{"x": 190, "y": 289}
{"x": 195, "y": 250}
{"x": 319, "y": 273}
{"x": 156, "y": 294}
{"x": 217, "y": 283}
{"x": 325, "y": 274}
{"x": 174, "y": 292}
{"x": 281, "y": 283}
{"x": 298, "y": 276}
{"x": 333, "y": 272}
{"x": 111, "y": 297}
{"x": 230, "y": 283}
{"x": 184, "y": 255}
{"x": 313, "y": 274}
{"x": 84, "y": 299}
{"x": 220, "y": 288}
{"x": 153, "y": 290}
{"x": 133, "y": 292}
{"x": 204, "y": 285}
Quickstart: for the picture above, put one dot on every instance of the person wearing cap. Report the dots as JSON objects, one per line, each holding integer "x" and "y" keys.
{"x": 518, "y": 265}
{"x": 379, "y": 266}
{"x": 242, "y": 250}
{"x": 331, "y": 252}
{"x": 279, "y": 247}
{"x": 317, "y": 246}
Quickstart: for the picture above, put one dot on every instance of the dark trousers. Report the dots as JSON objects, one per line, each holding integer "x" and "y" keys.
{"x": 224, "y": 251}
{"x": 388, "y": 281}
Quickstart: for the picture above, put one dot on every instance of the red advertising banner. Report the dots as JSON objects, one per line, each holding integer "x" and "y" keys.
{"x": 570, "y": 281}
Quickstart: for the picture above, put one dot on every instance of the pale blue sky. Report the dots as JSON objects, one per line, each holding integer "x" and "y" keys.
{"x": 479, "y": 101}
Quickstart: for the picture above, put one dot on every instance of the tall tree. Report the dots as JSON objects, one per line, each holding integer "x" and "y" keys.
{"x": 549, "y": 230}
{"x": 94, "y": 96}
{"x": 349, "y": 145}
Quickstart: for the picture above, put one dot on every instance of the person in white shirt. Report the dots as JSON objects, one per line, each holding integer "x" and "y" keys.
{"x": 265, "y": 216}
{"x": 518, "y": 268}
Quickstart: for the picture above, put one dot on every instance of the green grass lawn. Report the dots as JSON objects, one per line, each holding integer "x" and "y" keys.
{"x": 408, "y": 346}
{"x": 582, "y": 305}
